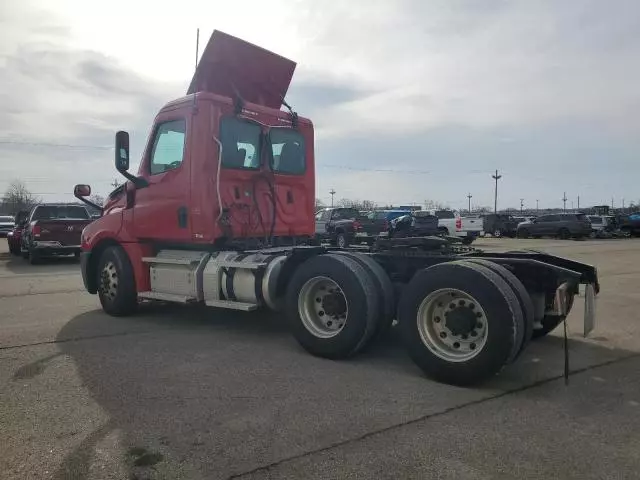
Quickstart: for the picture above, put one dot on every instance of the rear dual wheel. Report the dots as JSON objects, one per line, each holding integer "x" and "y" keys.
{"x": 336, "y": 303}
{"x": 461, "y": 322}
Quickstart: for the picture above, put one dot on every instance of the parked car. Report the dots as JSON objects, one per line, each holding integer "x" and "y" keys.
{"x": 562, "y": 225}
{"x": 14, "y": 237}
{"x": 414, "y": 224}
{"x": 451, "y": 223}
{"x": 343, "y": 226}
{"x": 602, "y": 225}
{"x": 54, "y": 230}
{"x": 7, "y": 223}
{"x": 500, "y": 224}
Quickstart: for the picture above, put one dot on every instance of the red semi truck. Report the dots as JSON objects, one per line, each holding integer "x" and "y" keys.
{"x": 221, "y": 213}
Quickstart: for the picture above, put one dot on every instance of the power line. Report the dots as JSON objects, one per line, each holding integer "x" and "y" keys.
{"x": 56, "y": 145}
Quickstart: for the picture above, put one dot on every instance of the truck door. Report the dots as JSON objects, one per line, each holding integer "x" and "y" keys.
{"x": 161, "y": 210}
{"x": 322, "y": 218}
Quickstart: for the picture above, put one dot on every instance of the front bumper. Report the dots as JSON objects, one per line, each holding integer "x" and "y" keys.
{"x": 54, "y": 248}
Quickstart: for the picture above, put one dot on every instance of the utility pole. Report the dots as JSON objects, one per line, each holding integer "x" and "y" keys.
{"x": 469, "y": 196}
{"x": 564, "y": 202}
{"x": 537, "y": 201}
{"x": 496, "y": 177}
{"x": 623, "y": 204}
{"x": 578, "y": 202}
{"x": 612, "y": 207}
{"x": 521, "y": 204}
{"x": 332, "y": 192}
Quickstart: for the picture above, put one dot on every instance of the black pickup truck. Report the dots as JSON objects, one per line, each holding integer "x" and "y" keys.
{"x": 343, "y": 226}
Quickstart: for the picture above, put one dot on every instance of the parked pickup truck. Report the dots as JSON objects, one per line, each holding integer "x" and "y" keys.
{"x": 343, "y": 226}
{"x": 54, "y": 230}
{"x": 451, "y": 223}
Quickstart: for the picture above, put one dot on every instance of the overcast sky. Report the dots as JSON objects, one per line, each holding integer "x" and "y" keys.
{"x": 412, "y": 100}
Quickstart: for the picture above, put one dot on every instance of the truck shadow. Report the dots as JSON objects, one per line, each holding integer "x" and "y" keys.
{"x": 230, "y": 391}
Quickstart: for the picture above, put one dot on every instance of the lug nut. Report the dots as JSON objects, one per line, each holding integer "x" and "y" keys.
{"x": 472, "y": 306}
{"x": 321, "y": 313}
{"x": 456, "y": 345}
{"x": 461, "y": 303}
{"x": 443, "y": 334}
{"x": 478, "y": 314}
{"x": 474, "y": 333}
{"x": 472, "y": 346}
{"x": 437, "y": 319}
{"x": 452, "y": 306}
{"x": 479, "y": 325}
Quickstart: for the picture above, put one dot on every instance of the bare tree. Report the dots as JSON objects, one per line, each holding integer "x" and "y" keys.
{"x": 319, "y": 204}
{"x": 357, "y": 204}
{"x": 434, "y": 205}
{"x": 18, "y": 197}
{"x": 97, "y": 199}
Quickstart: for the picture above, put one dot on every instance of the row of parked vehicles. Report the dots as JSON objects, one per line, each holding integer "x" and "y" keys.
{"x": 343, "y": 226}
{"x": 46, "y": 230}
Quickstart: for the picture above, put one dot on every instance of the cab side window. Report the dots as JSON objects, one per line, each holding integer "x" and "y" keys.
{"x": 240, "y": 143}
{"x": 168, "y": 147}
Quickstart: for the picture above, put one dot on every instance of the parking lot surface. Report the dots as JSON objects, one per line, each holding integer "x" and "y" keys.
{"x": 178, "y": 392}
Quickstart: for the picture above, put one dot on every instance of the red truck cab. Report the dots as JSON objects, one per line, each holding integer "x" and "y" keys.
{"x": 223, "y": 167}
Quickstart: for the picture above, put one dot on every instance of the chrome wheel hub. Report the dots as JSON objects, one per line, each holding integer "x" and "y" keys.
{"x": 322, "y": 307}
{"x": 452, "y": 325}
{"x": 109, "y": 281}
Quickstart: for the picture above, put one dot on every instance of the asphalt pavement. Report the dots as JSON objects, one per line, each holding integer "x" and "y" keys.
{"x": 194, "y": 393}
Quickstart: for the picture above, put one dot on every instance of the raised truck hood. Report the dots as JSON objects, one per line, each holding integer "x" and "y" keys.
{"x": 229, "y": 64}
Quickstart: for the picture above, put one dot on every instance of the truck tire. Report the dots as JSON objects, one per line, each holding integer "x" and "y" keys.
{"x": 116, "y": 283}
{"x": 384, "y": 289}
{"x": 332, "y": 306}
{"x": 524, "y": 299}
{"x": 468, "y": 240}
{"x": 473, "y": 344}
{"x": 443, "y": 231}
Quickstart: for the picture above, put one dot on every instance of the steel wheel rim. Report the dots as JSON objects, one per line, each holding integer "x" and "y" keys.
{"x": 341, "y": 241}
{"x": 320, "y": 305}
{"x": 436, "y": 327}
{"x": 497, "y": 233}
{"x": 109, "y": 281}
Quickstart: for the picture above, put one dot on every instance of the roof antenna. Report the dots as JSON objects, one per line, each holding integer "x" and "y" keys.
{"x": 294, "y": 115}
{"x": 196, "y": 69}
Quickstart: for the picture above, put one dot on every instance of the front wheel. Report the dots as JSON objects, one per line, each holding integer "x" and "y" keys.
{"x": 564, "y": 234}
{"x": 523, "y": 233}
{"x": 116, "y": 283}
{"x": 467, "y": 240}
{"x": 341, "y": 241}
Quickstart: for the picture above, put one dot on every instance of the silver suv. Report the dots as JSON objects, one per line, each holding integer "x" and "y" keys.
{"x": 562, "y": 225}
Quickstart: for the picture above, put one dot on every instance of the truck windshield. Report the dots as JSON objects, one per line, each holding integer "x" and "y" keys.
{"x": 51, "y": 212}
{"x": 287, "y": 151}
{"x": 240, "y": 143}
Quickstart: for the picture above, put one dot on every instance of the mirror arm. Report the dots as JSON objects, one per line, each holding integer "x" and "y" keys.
{"x": 138, "y": 182}
{"x": 90, "y": 203}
